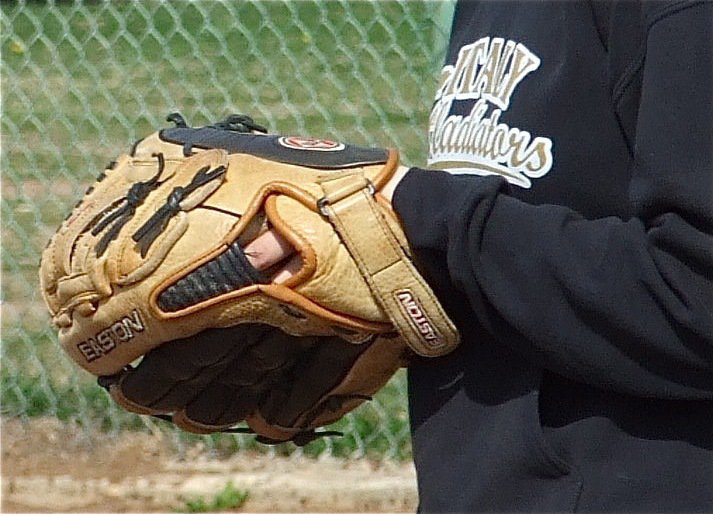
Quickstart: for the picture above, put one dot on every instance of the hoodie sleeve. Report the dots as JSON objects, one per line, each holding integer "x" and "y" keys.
{"x": 625, "y": 305}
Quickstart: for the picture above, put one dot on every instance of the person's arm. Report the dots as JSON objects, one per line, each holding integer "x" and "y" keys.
{"x": 623, "y": 304}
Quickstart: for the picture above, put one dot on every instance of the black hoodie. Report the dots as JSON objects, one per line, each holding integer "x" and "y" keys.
{"x": 571, "y": 240}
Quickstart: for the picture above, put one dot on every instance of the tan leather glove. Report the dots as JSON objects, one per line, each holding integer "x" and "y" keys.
{"x": 153, "y": 254}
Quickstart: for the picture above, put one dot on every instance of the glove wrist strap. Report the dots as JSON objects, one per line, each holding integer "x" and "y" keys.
{"x": 408, "y": 301}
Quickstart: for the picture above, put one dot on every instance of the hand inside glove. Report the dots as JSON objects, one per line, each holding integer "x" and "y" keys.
{"x": 257, "y": 277}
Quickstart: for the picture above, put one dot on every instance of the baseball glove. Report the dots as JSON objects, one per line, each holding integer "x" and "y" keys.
{"x": 150, "y": 265}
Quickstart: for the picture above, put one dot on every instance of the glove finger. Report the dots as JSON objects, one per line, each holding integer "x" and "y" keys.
{"x": 221, "y": 406}
{"x": 275, "y": 351}
{"x": 269, "y": 432}
{"x": 207, "y": 407}
{"x": 170, "y": 376}
{"x": 245, "y": 404}
{"x": 182, "y": 421}
{"x": 315, "y": 374}
{"x": 279, "y": 350}
{"x": 240, "y": 406}
{"x": 237, "y": 391}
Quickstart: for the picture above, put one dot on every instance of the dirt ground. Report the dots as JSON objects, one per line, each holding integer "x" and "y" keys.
{"x": 46, "y": 469}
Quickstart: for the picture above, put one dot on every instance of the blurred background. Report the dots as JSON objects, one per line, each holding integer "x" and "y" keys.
{"x": 82, "y": 80}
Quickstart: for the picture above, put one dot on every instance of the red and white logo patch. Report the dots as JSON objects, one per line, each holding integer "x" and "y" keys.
{"x": 311, "y": 144}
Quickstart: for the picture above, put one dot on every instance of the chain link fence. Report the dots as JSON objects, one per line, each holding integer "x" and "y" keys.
{"x": 82, "y": 80}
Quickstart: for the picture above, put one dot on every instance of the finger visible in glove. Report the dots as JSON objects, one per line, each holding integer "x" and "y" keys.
{"x": 267, "y": 250}
{"x": 293, "y": 266}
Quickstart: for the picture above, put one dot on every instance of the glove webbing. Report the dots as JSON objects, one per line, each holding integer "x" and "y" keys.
{"x": 156, "y": 224}
{"x": 120, "y": 216}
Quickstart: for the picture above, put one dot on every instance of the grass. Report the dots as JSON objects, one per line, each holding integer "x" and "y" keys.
{"x": 82, "y": 80}
{"x": 229, "y": 498}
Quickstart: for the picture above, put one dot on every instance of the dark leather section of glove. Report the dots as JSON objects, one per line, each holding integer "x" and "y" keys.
{"x": 221, "y": 376}
{"x": 301, "y": 151}
{"x": 315, "y": 373}
{"x": 228, "y": 272}
{"x": 170, "y": 377}
{"x": 245, "y": 383}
